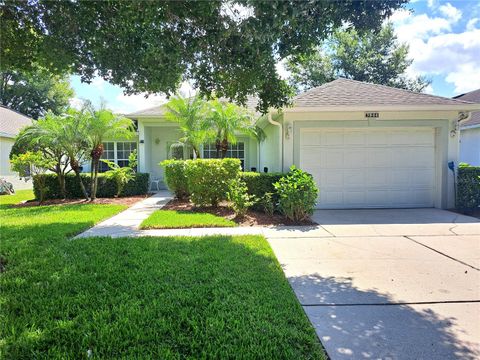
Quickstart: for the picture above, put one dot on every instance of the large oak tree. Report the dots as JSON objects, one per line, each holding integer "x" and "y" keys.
{"x": 229, "y": 48}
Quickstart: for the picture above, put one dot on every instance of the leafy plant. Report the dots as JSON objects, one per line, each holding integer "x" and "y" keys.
{"x": 208, "y": 179}
{"x": 259, "y": 184}
{"x": 297, "y": 193}
{"x": 132, "y": 160}
{"x": 121, "y": 175}
{"x": 239, "y": 197}
{"x": 468, "y": 187}
{"x": 268, "y": 204}
{"x": 33, "y": 163}
{"x": 175, "y": 177}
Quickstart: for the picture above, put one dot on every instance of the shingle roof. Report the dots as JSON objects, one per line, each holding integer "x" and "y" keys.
{"x": 473, "y": 96}
{"x": 160, "y": 109}
{"x": 345, "y": 92}
{"x": 11, "y": 122}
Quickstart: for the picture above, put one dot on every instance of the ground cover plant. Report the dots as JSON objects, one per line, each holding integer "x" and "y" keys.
{"x": 212, "y": 297}
{"x": 171, "y": 219}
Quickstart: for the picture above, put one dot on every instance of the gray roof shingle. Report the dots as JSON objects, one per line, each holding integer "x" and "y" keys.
{"x": 11, "y": 122}
{"x": 345, "y": 92}
{"x": 473, "y": 96}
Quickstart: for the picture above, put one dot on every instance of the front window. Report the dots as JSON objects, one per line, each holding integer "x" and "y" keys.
{"x": 117, "y": 152}
{"x": 236, "y": 151}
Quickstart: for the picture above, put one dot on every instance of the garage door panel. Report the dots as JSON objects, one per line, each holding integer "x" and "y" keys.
{"x": 371, "y": 167}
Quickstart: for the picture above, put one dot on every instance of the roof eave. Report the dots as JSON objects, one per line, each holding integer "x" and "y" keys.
{"x": 435, "y": 107}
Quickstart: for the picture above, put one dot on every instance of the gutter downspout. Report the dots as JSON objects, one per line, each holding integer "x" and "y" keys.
{"x": 280, "y": 142}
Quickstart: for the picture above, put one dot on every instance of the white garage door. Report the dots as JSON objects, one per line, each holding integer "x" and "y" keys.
{"x": 370, "y": 168}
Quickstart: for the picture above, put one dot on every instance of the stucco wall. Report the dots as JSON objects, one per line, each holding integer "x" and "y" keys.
{"x": 270, "y": 151}
{"x": 5, "y": 172}
{"x": 470, "y": 146}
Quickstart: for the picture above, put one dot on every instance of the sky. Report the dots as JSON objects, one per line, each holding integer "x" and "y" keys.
{"x": 444, "y": 39}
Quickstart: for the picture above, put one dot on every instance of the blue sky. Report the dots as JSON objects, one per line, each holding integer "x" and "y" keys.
{"x": 444, "y": 39}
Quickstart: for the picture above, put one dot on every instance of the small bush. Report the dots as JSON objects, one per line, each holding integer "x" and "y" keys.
{"x": 240, "y": 199}
{"x": 208, "y": 179}
{"x": 259, "y": 184}
{"x": 468, "y": 187}
{"x": 268, "y": 204}
{"x": 175, "y": 177}
{"x": 297, "y": 193}
{"x": 106, "y": 187}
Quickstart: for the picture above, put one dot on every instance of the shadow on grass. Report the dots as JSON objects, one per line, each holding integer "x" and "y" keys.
{"x": 377, "y": 329}
{"x": 211, "y": 297}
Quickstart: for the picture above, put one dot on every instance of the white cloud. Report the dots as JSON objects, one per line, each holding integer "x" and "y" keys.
{"x": 436, "y": 50}
{"x": 76, "y": 103}
{"x": 451, "y": 12}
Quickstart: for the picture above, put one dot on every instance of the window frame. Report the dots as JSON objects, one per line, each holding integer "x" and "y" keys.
{"x": 104, "y": 167}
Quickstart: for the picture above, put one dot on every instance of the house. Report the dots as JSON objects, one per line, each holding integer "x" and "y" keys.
{"x": 10, "y": 124}
{"x": 367, "y": 146}
{"x": 470, "y": 132}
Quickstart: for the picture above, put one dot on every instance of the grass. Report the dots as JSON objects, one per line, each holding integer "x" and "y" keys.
{"x": 19, "y": 196}
{"x": 143, "y": 298}
{"x": 172, "y": 219}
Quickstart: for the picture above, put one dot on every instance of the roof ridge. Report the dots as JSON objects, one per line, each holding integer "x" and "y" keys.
{"x": 404, "y": 90}
{"x": 15, "y": 111}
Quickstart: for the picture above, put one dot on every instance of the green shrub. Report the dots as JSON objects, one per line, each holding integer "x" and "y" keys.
{"x": 259, "y": 184}
{"x": 106, "y": 187}
{"x": 297, "y": 193}
{"x": 240, "y": 199}
{"x": 468, "y": 187}
{"x": 268, "y": 204}
{"x": 208, "y": 179}
{"x": 121, "y": 175}
{"x": 175, "y": 177}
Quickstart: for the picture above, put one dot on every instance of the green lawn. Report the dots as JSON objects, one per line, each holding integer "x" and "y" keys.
{"x": 171, "y": 219}
{"x": 143, "y": 298}
{"x": 19, "y": 196}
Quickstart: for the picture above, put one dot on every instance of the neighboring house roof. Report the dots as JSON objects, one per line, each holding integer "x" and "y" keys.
{"x": 473, "y": 96}
{"x": 11, "y": 122}
{"x": 159, "y": 111}
{"x": 346, "y": 92}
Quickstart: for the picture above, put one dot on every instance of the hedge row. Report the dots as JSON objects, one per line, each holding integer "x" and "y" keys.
{"x": 205, "y": 181}
{"x": 468, "y": 188}
{"x": 259, "y": 184}
{"x": 106, "y": 187}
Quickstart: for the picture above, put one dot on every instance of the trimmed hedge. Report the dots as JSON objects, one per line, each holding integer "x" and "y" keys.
{"x": 175, "y": 178}
{"x": 468, "y": 187}
{"x": 259, "y": 184}
{"x": 208, "y": 179}
{"x": 106, "y": 187}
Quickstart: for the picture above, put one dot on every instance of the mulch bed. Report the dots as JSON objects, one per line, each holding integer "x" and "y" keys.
{"x": 127, "y": 200}
{"x": 253, "y": 218}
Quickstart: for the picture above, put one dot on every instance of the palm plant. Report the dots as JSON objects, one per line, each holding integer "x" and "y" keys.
{"x": 225, "y": 120}
{"x": 103, "y": 124}
{"x": 190, "y": 114}
{"x": 44, "y": 135}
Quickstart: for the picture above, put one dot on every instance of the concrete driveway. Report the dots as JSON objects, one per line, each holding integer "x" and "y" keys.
{"x": 388, "y": 284}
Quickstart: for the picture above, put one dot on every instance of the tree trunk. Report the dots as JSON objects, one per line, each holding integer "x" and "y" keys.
{"x": 92, "y": 166}
{"x": 61, "y": 179}
{"x": 93, "y": 195}
{"x": 224, "y": 147}
{"x": 76, "y": 169}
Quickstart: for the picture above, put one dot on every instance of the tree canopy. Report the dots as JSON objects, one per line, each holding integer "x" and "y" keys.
{"x": 373, "y": 56}
{"x": 35, "y": 92}
{"x": 229, "y": 48}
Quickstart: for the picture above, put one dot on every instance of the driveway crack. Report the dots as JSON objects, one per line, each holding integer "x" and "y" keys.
{"x": 454, "y": 225}
{"x": 442, "y": 253}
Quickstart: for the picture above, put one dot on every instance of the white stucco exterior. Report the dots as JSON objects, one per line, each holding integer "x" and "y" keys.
{"x": 6, "y": 144}
{"x": 470, "y": 145}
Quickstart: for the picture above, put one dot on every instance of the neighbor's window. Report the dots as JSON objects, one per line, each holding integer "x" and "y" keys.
{"x": 236, "y": 151}
{"x": 118, "y": 152}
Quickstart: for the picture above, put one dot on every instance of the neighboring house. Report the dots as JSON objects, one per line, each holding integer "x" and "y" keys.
{"x": 11, "y": 122}
{"x": 367, "y": 146}
{"x": 470, "y": 132}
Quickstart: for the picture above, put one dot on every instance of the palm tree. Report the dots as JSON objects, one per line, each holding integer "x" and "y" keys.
{"x": 190, "y": 114}
{"x": 103, "y": 124}
{"x": 44, "y": 135}
{"x": 225, "y": 121}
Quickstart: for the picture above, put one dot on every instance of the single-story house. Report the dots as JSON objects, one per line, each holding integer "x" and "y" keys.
{"x": 470, "y": 132}
{"x": 11, "y": 122}
{"x": 367, "y": 146}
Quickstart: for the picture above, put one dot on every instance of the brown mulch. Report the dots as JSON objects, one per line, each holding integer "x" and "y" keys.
{"x": 252, "y": 218}
{"x": 127, "y": 200}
